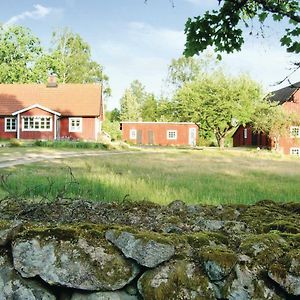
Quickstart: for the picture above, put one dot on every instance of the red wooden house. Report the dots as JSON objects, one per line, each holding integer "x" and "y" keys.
{"x": 160, "y": 133}
{"x": 53, "y": 111}
{"x": 289, "y": 98}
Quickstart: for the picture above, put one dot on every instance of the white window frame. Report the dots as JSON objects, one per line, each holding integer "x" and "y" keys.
{"x": 293, "y": 150}
{"x": 75, "y": 128}
{"x": 245, "y": 133}
{"x": 293, "y": 128}
{"x": 8, "y": 122}
{"x": 170, "y": 132}
{"x": 35, "y": 120}
{"x": 132, "y": 134}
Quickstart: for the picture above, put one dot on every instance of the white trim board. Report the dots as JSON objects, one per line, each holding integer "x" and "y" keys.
{"x": 36, "y": 106}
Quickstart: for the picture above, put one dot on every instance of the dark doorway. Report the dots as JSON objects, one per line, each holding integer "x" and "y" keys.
{"x": 254, "y": 139}
{"x": 150, "y": 138}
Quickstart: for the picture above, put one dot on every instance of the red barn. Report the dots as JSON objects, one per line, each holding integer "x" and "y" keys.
{"x": 52, "y": 111}
{"x": 160, "y": 133}
{"x": 289, "y": 98}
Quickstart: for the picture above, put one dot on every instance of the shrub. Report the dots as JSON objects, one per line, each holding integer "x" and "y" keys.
{"x": 15, "y": 143}
{"x": 71, "y": 144}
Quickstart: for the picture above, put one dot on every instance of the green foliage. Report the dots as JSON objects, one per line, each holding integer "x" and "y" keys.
{"x": 113, "y": 129}
{"x": 149, "y": 111}
{"x": 273, "y": 120}
{"x": 222, "y": 28}
{"x": 138, "y": 105}
{"x": 19, "y": 51}
{"x": 70, "y": 58}
{"x": 22, "y": 59}
{"x": 218, "y": 103}
{"x": 188, "y": 69}
{"x": 70, "y": 144}
{"x": 115, "y": 115}
{"x": 131, "y": 102}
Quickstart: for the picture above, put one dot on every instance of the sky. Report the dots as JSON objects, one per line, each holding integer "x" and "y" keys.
{"x": 137, "y": 40}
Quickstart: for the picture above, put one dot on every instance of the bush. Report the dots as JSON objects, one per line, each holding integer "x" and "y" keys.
{"x": 71, "y": 144}
{"x": 15, "y": 143}
{"x": 113, "y": 129}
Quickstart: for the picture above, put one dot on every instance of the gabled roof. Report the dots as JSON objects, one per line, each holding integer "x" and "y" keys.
{"x": 284, "y": 94}
{"x": 66, "y": 99}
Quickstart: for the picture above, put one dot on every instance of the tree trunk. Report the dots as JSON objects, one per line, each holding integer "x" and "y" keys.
{"x": 221, "y": 142}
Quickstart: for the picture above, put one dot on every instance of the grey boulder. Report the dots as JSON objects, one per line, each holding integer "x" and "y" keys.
{"x": 144, "y": 250}
{"x": 81, "y": 263}
{"x": 14, "y": 287}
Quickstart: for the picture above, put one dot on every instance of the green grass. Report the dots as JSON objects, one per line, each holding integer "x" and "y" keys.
{"x": 207, "y": 176}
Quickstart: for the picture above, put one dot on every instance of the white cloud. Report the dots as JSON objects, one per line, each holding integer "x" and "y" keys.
{"x": 37, "y": 13}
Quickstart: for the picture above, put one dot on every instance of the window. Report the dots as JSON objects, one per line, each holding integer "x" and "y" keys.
{"x": 295, "y": 131}
{"x": 10, "y": 124}
{"x": 37, "y": 123}
{"x": 172, "y": 134}
{"x": 245, "y": 133}
{"x": 295, "y": 151}
{"x": 132, "y": 134}
{"x": 75, "y": 124}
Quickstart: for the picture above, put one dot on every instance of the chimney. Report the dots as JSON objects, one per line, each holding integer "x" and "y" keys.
{"x": 52, "y": 81}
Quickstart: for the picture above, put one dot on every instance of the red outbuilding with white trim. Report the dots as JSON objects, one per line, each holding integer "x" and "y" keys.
{"x": 160, "y": 133}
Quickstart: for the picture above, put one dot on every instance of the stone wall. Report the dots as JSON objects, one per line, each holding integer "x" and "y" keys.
{"x": 87, "y": 251}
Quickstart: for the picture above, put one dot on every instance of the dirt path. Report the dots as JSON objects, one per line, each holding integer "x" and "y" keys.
{"x": 29, "y": 158}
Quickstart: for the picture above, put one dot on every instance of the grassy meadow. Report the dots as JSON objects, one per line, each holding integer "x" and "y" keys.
{"x": 203, "y": 176}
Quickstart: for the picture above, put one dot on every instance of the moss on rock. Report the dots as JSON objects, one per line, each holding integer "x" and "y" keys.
{"x": 176, "y": 280}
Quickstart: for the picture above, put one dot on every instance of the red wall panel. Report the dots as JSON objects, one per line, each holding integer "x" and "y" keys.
{"x": 88, "y": 129}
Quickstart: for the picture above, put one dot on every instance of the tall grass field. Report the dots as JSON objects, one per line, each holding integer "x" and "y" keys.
{"x": 208, "y": 177}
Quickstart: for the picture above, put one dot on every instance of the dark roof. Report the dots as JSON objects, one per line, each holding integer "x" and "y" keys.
{"x": 284, "y": 94}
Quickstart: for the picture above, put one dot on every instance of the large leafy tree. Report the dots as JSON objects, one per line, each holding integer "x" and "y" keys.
{"x": 19, "y": 52}
{"x": 70, "y": 58}
{"x": 217, "y": 103}
{"x": 150, "y": 109}
{"x": 132, "y": 101}
{"x": 188, "y": 69}
{"x": 224, "y": 28}
{"x": 23, "y": 60}
{"x": 273, "y": 120}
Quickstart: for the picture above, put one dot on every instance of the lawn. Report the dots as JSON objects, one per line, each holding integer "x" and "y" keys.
{"x": 207, "y": 176}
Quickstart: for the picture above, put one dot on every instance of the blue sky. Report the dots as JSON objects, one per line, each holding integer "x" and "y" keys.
{"x": 134, "y": 40}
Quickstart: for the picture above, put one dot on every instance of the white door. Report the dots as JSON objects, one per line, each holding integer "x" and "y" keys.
{"x": 192, "y": 137}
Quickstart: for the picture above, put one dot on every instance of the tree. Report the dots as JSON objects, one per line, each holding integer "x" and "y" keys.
{"x": 187, "y": 69}
{"x": 19, "y": 52}
{"x": 149, "y": 111}
{"x": 115, "y": 115}
{"x": 218, "y": 103}
{"x": 224, "y": 28}
{"x": 271, "y": 119}
{"x": 70, "y": 58}
{"x": 132, "y": 101}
